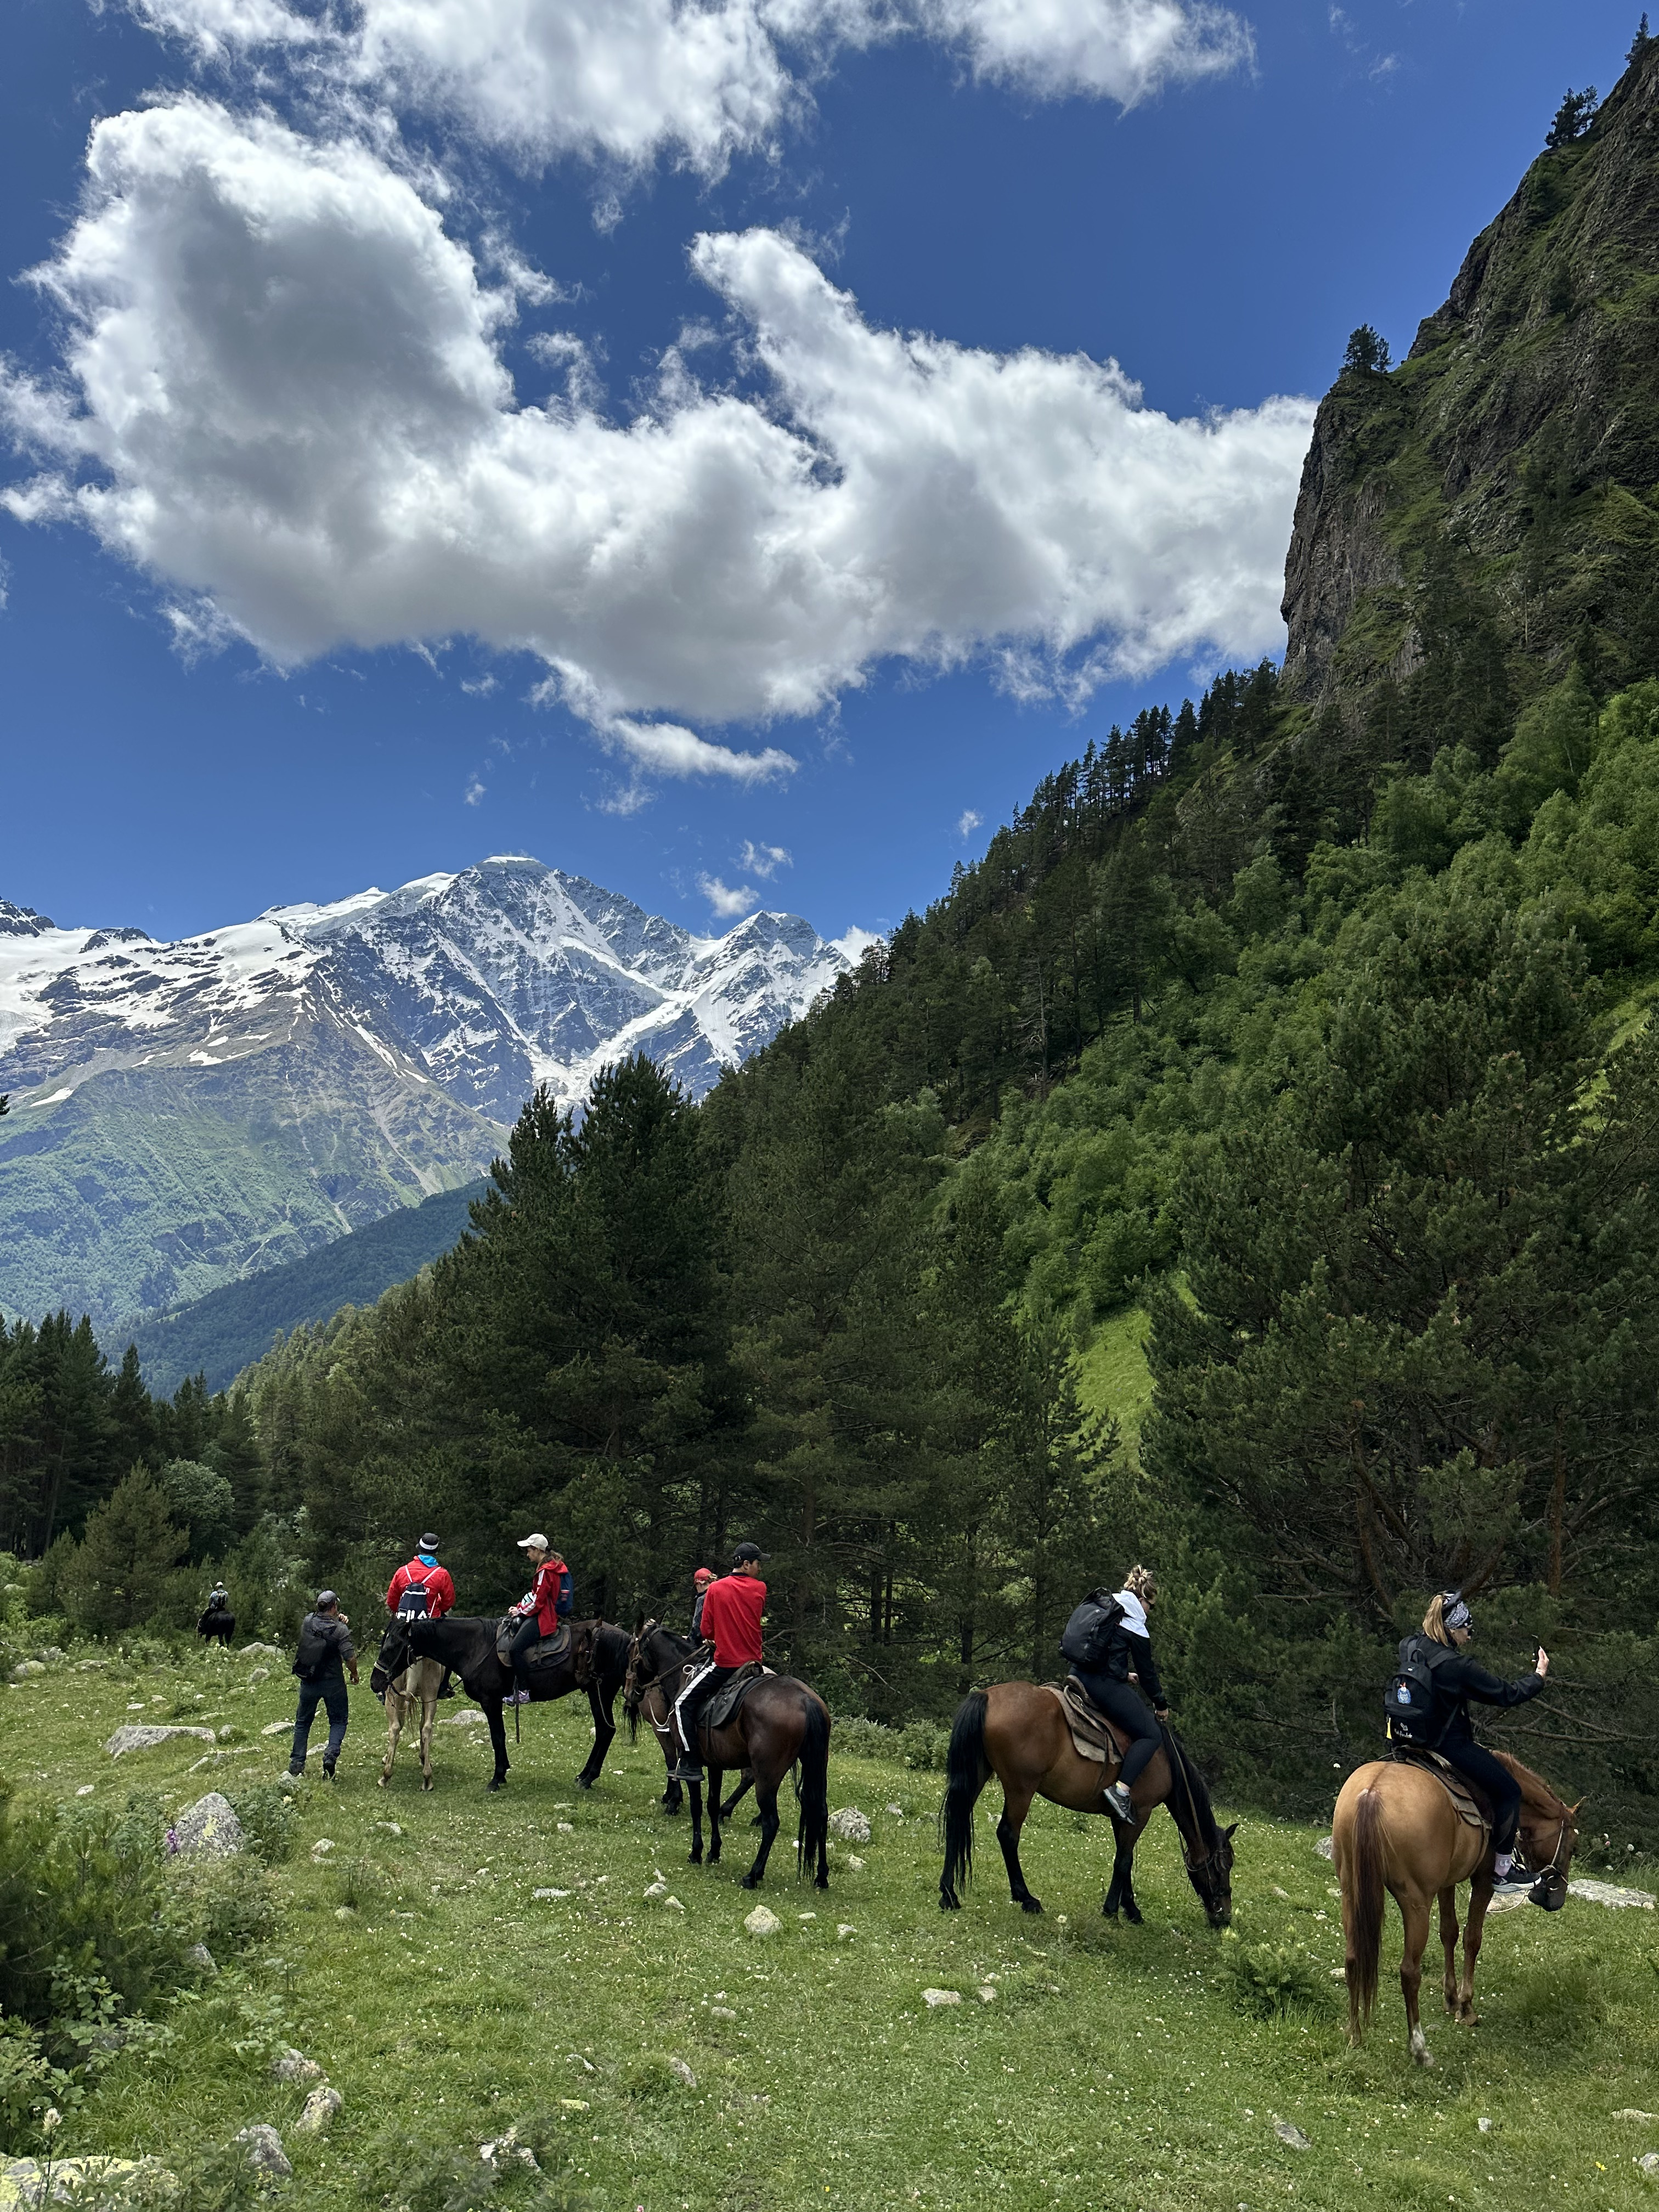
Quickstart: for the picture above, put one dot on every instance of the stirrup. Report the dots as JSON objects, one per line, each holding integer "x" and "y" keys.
{"x": 1120, "y": 1802}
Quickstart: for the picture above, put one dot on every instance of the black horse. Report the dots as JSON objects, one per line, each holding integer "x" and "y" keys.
{"x": 596, "y": 1661}
{"x": 781, "y": 1724}
{"x": 218, "y": 1625}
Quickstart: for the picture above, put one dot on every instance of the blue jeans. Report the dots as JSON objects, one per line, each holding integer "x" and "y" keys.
{"x": 330, "y": 1694}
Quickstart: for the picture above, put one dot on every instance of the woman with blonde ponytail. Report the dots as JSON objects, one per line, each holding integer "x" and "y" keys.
{"x": 1113, "y": 1642}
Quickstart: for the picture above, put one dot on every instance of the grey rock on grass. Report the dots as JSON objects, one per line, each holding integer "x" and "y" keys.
{"x": 25, "y": 1667}
{"x": 208, "y": 1829}
{"x": 849, "y": 1826}
{"x": 291, "y": 2065}
{"x": 321, "y": 2107}
{"x": 265, "y": 2149}
{"x": 1611, "y": 1893}
{"x": 145, "y": 1735}
{"x": 200, "y": 1956}
{"x": 762, "y": 1922}
{"x": 1324, "y": 1847}
{"x": 1288, "y": 2132}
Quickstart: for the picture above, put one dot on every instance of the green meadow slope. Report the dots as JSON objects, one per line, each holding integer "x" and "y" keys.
{"x": 402, "y": 1945}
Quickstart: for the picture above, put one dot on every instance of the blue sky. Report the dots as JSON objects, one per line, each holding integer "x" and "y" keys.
{"x": 397, "y": 483}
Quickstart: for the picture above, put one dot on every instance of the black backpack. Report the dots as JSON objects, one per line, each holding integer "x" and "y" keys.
{"x": 1411, "y": 1704}
{"x": 319, "y": 1650}
{"x": 1089, "y": 1631}
{"x": 412, "y": 1604}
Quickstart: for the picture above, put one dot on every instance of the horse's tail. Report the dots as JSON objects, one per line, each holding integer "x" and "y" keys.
{"x": 966, "y": 1770}
{"x": 1363, "y": 1896}
{"x": 812, "y": 1788}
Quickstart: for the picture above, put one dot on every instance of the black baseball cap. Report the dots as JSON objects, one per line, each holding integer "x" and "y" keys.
{"x": 746, "y": 1551}
{"x": 429, "y": 1542}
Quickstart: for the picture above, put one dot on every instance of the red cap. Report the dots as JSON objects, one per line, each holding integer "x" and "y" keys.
{"x": 703, "y": 1575}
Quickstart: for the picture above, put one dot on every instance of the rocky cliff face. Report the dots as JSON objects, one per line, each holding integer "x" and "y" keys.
{"x": 184, "y": 1115}
{"x": 1520, "y": 434}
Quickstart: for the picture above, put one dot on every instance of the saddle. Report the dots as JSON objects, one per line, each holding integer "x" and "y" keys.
{"x": 1473, "y": 1809}
{"x": 1093, "y": 1736}
{"x": 548, "y": 1653}
{"x": 722, "y": 1707}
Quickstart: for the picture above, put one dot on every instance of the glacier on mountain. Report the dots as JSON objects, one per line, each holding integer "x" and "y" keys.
{"x": 185, "y": 1114}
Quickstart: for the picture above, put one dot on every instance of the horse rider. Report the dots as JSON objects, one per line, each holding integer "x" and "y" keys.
{"x": 1123, "y": 1651}
{"x": 540, "y": 1611}
{"x": 218, "y": 1618}
{"x": 422, "y": 1590}
{"x": 700, "y": 1583}
{"x": 1448, "y": 1625}
{"x": 730, "y": 1619}
{"x": 324, "y": 1651}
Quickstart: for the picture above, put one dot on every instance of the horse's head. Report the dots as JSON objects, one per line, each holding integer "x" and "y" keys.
{"x": 397, "y": 1649}
{"x": 638, "y": 1677}
{"x": 1209, "y": 1871}
{"x": 1548, "y": 1837}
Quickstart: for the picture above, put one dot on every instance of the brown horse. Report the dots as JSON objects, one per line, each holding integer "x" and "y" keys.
{"x": 780, "y": 1722}
{"x": 1017, "y": 1731}
{"x": 1396, "y": 1829}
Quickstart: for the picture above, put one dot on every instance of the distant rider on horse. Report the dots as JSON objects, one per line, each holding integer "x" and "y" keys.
{"x": 1107, "y": 1640}
{"x": 731, "y": 1621}
{"x": 1447, "y": 1628}
{"x": 540, "y": 1612}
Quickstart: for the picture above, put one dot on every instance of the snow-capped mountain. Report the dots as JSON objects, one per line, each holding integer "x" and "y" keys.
{"x": 185, "y": 1114}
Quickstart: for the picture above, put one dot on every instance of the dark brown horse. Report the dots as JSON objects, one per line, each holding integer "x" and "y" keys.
{"x": 781, "y": 1723}
{"x": 1396, "y": 1831}
{"x": 596, "y": 1662}
{"x": 1017, "y": 1731}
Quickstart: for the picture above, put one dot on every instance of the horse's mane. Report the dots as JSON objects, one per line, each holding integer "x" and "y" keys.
{"x": 1534, "y": 1788}
{"x": 1194, "y": 1782}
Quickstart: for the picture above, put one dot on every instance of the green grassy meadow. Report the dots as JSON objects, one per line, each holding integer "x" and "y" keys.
{"x": 1114, "y": 2067}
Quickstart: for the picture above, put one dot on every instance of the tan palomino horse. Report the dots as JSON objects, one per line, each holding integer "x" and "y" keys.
{"x": 1396, "y": 1830}
{"x": 418, "y": 1684}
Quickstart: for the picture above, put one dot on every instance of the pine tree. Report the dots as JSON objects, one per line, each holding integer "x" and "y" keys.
{"x": 119, "y": 1576}
{"x": 1640, "y": 43}
{"x": 1366, "y": 353}
{"x": 1573, "y": 118}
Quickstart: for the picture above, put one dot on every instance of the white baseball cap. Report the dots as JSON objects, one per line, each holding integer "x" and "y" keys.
{"x": 526, "y": 1543}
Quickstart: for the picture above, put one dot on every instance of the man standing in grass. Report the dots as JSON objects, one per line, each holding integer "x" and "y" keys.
{"x": 325, "y": 1652}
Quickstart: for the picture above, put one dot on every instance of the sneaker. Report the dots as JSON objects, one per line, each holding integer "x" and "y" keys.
{"x": 328, "y": 1771}
{"x": 687, "y": 1771}
{"x": 519, "y": 1698}
{"x": 1119, "y": 1801}
{"x": 297, "y": 1772}
{"x": 1513, "y": 1884}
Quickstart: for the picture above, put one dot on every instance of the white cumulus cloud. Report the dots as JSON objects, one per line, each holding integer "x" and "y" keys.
{"x": 281, "y": 395}
{"x": 968, "y": 821}
{"x": 763, "y": 860}
{"x": 624, "y": 81}
{"x": 728, "y": 902}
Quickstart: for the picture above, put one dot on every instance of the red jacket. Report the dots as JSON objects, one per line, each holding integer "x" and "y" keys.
{"x": 439, "y": 1589}
{"x": 731, "y": 1617}
{"x": 549, "y": 1598}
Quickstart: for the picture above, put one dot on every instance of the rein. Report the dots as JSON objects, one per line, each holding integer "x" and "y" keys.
{"x": 1199, "y": 1866}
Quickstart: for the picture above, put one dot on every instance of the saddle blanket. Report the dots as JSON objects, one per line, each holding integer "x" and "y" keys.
{"x": 1473, "y": 1810}
{"x": 547, "y": 1653}
{"x": 723, "y": 1706}
{"x": 1093, "y": 1735}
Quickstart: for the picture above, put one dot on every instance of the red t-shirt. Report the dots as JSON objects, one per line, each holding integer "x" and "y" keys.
{"x": 731, "y": 1617}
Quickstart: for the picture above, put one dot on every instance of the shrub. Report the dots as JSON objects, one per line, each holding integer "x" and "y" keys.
{"x": 120, "y": 1576}
{"x": 862, "y": 1739}
{"x": 80, "y": 1893}
{"x": 229, "y": 1905}
{"x": 266, "y": 1813}
{"x": 924, "y": 1745}
{"x": 1269, "y": 1980}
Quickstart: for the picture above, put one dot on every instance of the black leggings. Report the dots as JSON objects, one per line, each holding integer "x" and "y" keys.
{"x": 525, "y": 1638}
{"x": 1491, "y": 1775}
{"x": 1122, "y": 1702}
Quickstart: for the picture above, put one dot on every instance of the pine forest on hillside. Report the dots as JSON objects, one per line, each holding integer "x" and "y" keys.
{"x": 1246, "y": 1165}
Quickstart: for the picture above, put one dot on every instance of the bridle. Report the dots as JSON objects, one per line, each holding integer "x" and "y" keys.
{"x": 1200, "y": 1872}
{"x": 1553, "y": 1865}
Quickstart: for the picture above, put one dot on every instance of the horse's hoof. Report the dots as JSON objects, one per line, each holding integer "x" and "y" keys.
{"x": 750, "y": 1882}
{"x": 584, "y": 1782}
{"x": 1109, "y": 1912}
{"x": 821, "y": 1881}
{"x": 947, "y": 1903}
{"x": 1030, "y": 1905}
{"x": 1132, "y": 1913}
{"x": 496, "y": 1782}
